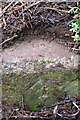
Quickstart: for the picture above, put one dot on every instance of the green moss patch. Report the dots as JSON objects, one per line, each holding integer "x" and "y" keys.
{"x": 38, "y": 89}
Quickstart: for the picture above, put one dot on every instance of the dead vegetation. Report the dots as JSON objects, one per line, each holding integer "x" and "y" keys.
{"x": 65, "y": 109}
{"x": 17, "y": 16}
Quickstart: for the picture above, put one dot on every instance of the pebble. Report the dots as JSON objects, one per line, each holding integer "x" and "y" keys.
{"x": 36, "y": 66}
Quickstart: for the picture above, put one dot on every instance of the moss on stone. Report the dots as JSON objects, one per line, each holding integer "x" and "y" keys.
{"x": 39, "y": 89}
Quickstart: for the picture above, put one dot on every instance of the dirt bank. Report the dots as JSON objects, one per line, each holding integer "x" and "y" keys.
{"x": 41, "y": 42}
{"x": 37, "y": 48}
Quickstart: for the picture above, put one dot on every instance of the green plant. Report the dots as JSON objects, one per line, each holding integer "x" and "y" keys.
{"x": 33, "y": 108}
{"x": 76, "y": 24}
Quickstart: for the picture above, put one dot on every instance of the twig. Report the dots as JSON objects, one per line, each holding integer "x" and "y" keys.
{"x": 4, "y": 10}
{"x": 56, "y": 9}
{"x": 13, "y": 5}
{"x": 8, "y": 40}
{"x": 17, "y": 8}
{"x": 4, "y": 22}
{"x": 22, "y": 10}
{"x": 27, "y": 6}
{"x": 77, "y": 111}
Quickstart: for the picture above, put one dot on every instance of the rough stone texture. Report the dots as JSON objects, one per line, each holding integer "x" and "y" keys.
{"x": 39, "y": 88}
{"x": 38, "y": 65}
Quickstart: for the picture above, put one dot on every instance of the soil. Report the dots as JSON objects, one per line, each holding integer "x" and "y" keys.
{"x": 38, "y": 43}
{"x": 36, "y": 49}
